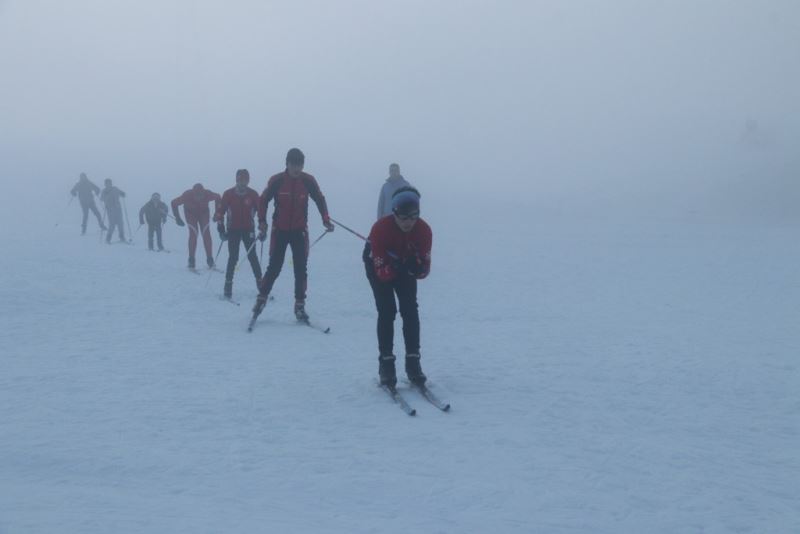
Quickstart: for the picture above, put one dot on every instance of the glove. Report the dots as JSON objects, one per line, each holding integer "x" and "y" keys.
{"x": 413, "y": 266}
{"x": 179, "y": 221}
{"x": 141, "y": 222}
{"x": 326, "y": 222}
{"x": 262, "y": 231}
{"x": 74, "y": 194}
{"x": 221, "y": 229}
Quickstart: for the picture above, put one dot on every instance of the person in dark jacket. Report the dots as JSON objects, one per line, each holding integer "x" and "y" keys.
{"x": 290, "y": 190}
{"x": 85, "y": 190}
{"x": 155, "y": 213}
{"x": 397, "y": 254}
{"x": 239, "y": 205}
{"x": 111, "y": 197}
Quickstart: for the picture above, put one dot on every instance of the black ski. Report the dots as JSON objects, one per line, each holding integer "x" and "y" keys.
{"x": 306, "y": 322}
{"x": 398, "y": 398}
{"x": 430, "y": 397}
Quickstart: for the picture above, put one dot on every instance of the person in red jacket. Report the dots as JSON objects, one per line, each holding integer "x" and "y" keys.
{"x": 290, "y": 190}
{"x": 195, "y": 206}
{"x": 239, "y": 205}
{"x": 397, "y": 254}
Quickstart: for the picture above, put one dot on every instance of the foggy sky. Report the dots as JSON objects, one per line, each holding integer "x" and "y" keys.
{"x": 593, "y": 98}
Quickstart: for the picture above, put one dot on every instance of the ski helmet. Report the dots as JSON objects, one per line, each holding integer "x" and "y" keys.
{"x": 405, "y": 201}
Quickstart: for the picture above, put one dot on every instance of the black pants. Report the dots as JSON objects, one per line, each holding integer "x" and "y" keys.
{"x": 154, "y": 229}
{"x": 89, "y": 206}
{"x": 279, "y": 240}
{"x": 235, "y": 239}
{"x": 115, "y": 221}
{"x": 405, "y": 287}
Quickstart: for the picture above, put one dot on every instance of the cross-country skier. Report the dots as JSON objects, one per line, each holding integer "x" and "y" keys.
{"x": 195, "y": 206}
{"x": 291, "y": 190}
{"x": 155, "y": 213}
{"x": 111, "y": 196}
{"x": 397, "y": 254}
{"x": 239, "y": 205}
{"x": 394, "y": 182}
{"x": 85, "y": 190}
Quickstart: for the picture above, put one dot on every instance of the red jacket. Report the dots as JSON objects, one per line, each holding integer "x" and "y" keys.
{"x": 195, "y": 202}
{"x": 239, "y": 207}
{"x": 291, "y": 201}
{"x": 391, "y": 247}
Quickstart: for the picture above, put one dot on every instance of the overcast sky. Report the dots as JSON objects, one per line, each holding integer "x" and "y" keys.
{"x": 543, "y": 96}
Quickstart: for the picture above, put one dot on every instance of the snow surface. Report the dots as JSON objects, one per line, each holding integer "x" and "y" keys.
{"x": 630, "y": 376}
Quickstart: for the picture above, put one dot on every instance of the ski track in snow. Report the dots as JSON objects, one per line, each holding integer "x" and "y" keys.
{"x": 604, "y": 378}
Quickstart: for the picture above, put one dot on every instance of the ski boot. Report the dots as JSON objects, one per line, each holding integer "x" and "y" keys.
{"x": 191, "y": 262}
{"x": 300, "y": 311}
{"x": 414, "y": 370}
{"x": 227, "y": 292}
{"x": 386, "y": 371}
{"x": 83, "y": 230}
{"x": 261, "y": 301}
{"x": 210, "y": 262}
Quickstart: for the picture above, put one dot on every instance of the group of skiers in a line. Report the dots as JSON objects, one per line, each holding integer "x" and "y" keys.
{"x": 396, "y": 254}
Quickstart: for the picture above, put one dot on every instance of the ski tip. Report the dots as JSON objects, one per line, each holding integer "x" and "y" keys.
{"x": 412, "y": 413}
{"x": 446, "y": 408}
{"x": 327, "y": 330}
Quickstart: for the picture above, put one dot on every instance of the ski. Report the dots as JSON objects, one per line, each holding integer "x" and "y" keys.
{"x": 230, "y": 300}
{"x": 324, "y": 330}
{"x": 430, "y": 397}
{"x": 195, "y": 271}
{"x": 252, "y": 323}
{"x": 398, "y": 398}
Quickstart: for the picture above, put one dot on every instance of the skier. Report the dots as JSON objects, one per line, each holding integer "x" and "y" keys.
{"x": 111, "y": 196}
{"x": 394, "y": 182}
{"x": 397, "y": 254}
{"x": 195, "y": 206}
{"x": 240, "y": 204}
{"x": 155, "y": 212}
{"x": 85, "y": 190}
{"x": 290, "y": 189}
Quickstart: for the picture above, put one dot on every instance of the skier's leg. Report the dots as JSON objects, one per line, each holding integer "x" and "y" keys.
{"x": 158, "y": 237}
{"x": 151, "y": 229}
{"x": 97, "y": 214}
{"x": 387, "y": 311}
{"x": 299, "y": 244}
{"x": 207, "y": 240}
{"x": 234, "y": 238}
{"x": 85, "y": 208}
{"x": 406, "y": 289}
{"x": 191, "y": 222}
{"x": 248, "y": 237}
{"x": 277, "y": 252}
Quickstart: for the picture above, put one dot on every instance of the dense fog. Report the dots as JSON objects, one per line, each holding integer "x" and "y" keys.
{"x": 677, "y": 107}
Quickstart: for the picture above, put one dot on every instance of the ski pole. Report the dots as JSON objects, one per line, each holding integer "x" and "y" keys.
{"x": 261, "y": 258}
{"x": 127, "y": 221}
{"x": 103, "y": 220}
{"x": 71, "y": 198}
{"x": 317, "y": 239}
{"x": 348, "y": 229}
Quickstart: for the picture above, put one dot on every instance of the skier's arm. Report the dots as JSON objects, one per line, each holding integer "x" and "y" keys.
{"x": 380, "y": 204}
{"x": 74, "y": 190}
{"x": 217, "y": 200}
{"x": 121, "y": 192}
{"x": 141, "y": 214}
{"x": 264, "y": 200}
{"x": 222, "y": 208}
{"x": 424, "y": 253}
{"x": 95, "y": 189}
{"x": 319, "y": 199}
{"x": 381, "y": 259}
{"x": 175, "y": 203}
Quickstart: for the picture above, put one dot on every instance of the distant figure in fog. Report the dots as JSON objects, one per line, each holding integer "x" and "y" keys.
{"x": 394, "y": 182}
{"x": 85, "y": 190}
{"x": 111, "y": 196}
{"x": 155, "y": 213}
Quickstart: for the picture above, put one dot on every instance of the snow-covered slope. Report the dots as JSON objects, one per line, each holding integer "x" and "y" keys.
{"x": 631, "y": 377}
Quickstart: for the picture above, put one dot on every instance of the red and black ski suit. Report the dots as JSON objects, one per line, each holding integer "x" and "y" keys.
{"x": 290, "y": 226}
{"x": 394, "y": 260}
{"x": 195, "y": 206}
{"x": 239, "y": 208}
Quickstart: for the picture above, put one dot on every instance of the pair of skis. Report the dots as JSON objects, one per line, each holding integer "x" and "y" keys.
{"x": 426, "y": 393}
